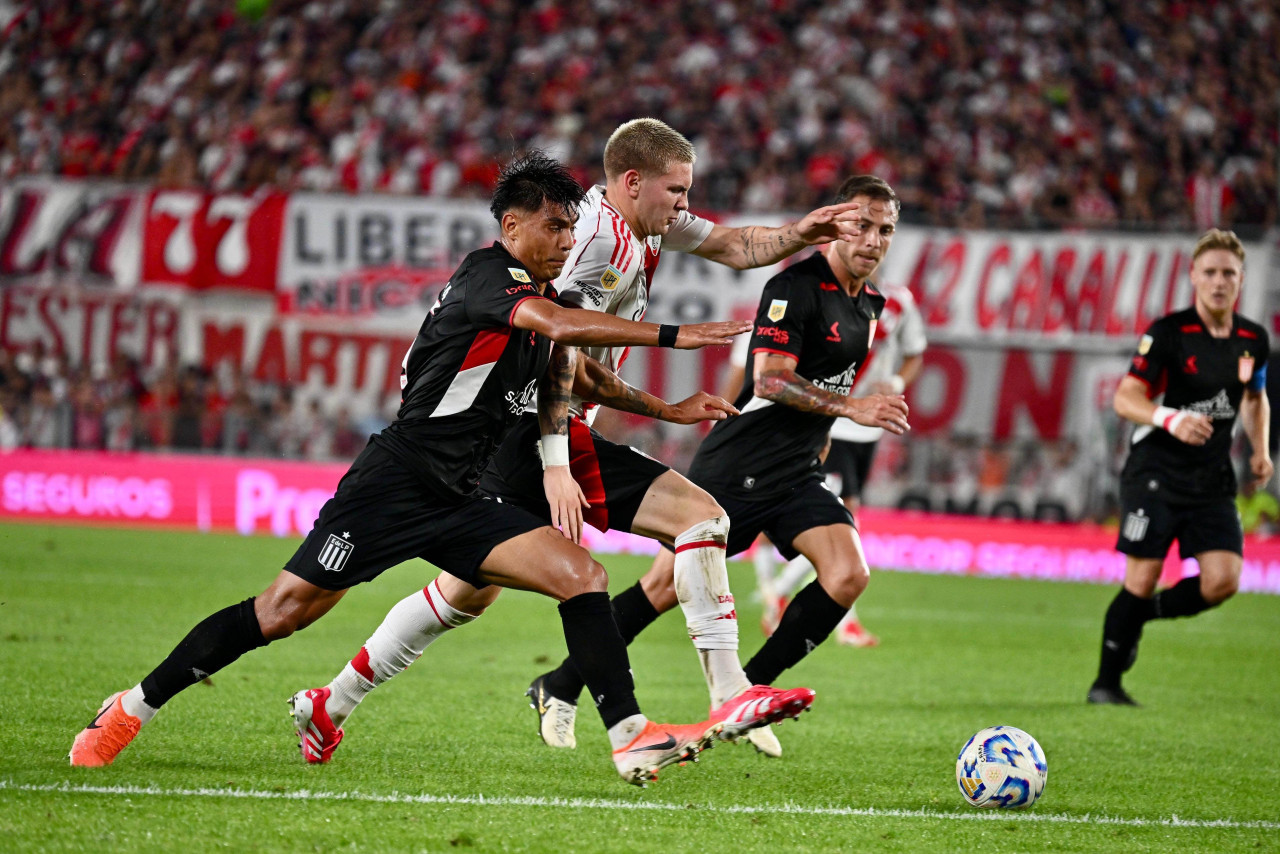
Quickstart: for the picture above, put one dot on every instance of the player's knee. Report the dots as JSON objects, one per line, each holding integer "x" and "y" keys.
{"x": 279, "y": 617}
{"x": 1218, "y": 590}
{"x": 846, "y": 583}
{"x": 580, "y": 573}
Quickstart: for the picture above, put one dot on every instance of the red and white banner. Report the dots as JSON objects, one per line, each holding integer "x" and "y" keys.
{"x": 284, "y": 499}
{"x": 202, "y": 241}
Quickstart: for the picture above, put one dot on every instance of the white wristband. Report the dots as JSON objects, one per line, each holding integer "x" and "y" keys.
{"x": 897, "y": 383}
{"x": 554, "y": 451}
{"x": 1167, "y": 418}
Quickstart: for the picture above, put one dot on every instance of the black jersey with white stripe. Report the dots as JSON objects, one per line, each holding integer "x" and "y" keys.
{"x": 770, "y": 447}
{"x": 469, "y": 374}
{"x": 1184, "y": 367}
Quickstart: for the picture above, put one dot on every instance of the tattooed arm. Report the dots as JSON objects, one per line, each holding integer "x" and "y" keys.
{"x": 758, "y": 246}
{"x": 776, "y": 379}
{"x": 597, "y": 383}
{"x": 563, "y": 493}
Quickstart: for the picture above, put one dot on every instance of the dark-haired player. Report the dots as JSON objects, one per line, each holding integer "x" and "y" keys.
{"x": 1195, "y": 373}
{"x": 470, "y": 372}
{"x": 813, "y": 332}
{"x": 623, "y": 227}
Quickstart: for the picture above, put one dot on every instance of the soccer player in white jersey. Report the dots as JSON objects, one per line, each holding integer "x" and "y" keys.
{"x": 894, "y": 363}
{"x": 561, "y": 467}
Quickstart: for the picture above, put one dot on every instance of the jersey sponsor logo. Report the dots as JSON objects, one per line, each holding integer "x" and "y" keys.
{"x": 517, "y": 402}
{"x": 835, "y": 332}
{"x": 610, "y": 278}
{"x": 336, "y": 552}
{"x": 518, "y": 288}
{"x": 1246, "y": 367}
{"x": 519, "y": 275}
{"x": 1217, "y": 408}
{"x": 841, "y": 383}
{"x": 778, "y": 334}
{"x": 591, "y": 292}
{"x": 1135, "y": 526}
{"x": 1189, "y": 366}
{"x": 1144, "y": 345}
{"x": 777, "y": 309}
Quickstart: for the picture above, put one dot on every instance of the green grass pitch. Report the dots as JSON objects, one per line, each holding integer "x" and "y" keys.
{"x": 446, "y": 757}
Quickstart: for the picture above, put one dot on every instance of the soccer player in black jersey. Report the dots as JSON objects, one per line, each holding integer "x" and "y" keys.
{"x": 468, "y": 375}
{"x": 813, "y": 331}
{"x": 1195, "y": 373}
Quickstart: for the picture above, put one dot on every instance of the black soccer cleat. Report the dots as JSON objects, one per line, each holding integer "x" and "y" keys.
{"x": 1104, "y": 696}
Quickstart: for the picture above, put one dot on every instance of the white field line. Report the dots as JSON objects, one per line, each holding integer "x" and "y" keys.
{"x": 606, "y": 804}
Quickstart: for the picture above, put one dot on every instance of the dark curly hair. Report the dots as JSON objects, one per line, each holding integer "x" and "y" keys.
{"x": 531, "y": 180}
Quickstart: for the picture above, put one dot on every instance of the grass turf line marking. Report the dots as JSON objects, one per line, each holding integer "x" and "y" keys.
{"x": 603, "y": 803}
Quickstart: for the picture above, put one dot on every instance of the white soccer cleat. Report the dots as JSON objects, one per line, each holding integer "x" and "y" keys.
{"x": 660, "y": 745}
{"x": 317, "y": 736}
{"x": 764, "y": 741}
{"x": 853, "y": 633}
{"x": 555, "y": 716}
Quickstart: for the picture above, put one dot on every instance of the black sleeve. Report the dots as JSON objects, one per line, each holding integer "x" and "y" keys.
{"x": 495, "y": 290}
{"x": 781, "y": 318}
{"x": 1151, "y": 360}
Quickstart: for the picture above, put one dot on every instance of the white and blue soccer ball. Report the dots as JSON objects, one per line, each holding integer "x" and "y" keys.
{"x": 1001, "y": 766}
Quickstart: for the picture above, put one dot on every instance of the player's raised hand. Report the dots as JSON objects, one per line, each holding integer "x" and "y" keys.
{"x": 833, "y": 222}
{"x": 1193, "y": 428}
{"x": 721, "y": 332}
{"x": 566, "y": 500}
{"x": 700, "y": 407}
{"x": 888, "y": 411}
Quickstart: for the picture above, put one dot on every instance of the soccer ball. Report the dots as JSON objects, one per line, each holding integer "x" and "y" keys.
{"x": 1001, "y": 766}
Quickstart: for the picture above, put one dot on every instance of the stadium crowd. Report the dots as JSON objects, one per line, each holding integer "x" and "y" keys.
{"x": 1066, "y": 114}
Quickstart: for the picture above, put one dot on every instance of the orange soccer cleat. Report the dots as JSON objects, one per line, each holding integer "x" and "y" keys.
{"x": 109, "y": 733}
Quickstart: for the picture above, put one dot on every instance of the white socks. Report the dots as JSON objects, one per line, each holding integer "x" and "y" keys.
{"x": 410, "y": 627}
{"x": 625, "y": 731}
{"x": 762, "y": 559}
{"x": 702, "y": 586}
{"x": 133, "y": 704}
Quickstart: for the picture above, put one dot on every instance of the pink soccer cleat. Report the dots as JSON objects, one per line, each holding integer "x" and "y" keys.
{"x": 317, "y": 736}
{"x": 759, "y": 706}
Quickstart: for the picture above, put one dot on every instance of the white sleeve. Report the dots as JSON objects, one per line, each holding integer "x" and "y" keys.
{"x": 912, "y": 328}
{"x": 687, "y": 232}
{"x": 588, "y": 280}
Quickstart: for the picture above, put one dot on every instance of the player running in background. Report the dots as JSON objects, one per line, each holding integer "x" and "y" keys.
{"x": 816, "y": 319}
{"x": 622, "y": 228}
{"x": 413, "y": 493}
{"x": 893, "y": 364}
{"x": 1210, "y": 365}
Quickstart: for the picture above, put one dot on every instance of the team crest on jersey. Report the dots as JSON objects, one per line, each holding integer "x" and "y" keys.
{"x": 1144, "y": 345}
{"x": 777, "y": 309}
{"x": 610, "y": 278}
{"x": 336, "y": 552}
{"x": 519, "y": 275}
{"x": 1246, "y": 367}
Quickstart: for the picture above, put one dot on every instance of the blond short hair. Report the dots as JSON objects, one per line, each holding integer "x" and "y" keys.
{"x": 648, "y": 146}
{"x": 1216, "y": 238}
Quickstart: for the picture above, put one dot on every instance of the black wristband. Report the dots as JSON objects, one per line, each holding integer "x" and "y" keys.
{"x": 667, "y": 335}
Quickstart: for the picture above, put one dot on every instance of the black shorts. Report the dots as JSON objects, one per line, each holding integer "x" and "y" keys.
{"x": 613, "y": 477}
{"x": 383, "y": 515}
{"x": 1149, "y": 525}
{"x": 851, "y": 462}
{"x": 782, "y": 517}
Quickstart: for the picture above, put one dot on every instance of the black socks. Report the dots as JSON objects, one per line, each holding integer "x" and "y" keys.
{"x": 810, "y": 617}
{"x": 214, "y": 643}
{"x": 600, "y": 655}
{"x": 632, "y": 611}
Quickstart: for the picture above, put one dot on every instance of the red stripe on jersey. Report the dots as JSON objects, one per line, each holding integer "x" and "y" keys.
{"x": 699, "y": 544}
{"x": 486, "y": 348}
{"x": 791, "y": 356}
{"x": 619, "y": 245}
{"x": 511, "y": 317}
{"x": 1245, "y": 333}
{"x": 1192, "y": 327}
{"x": 584, "y": 465}
{"x": 360, "y": 664}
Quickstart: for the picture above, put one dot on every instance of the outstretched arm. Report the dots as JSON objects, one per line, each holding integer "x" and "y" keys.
{"x": 598, "y": 329}
{"x": 776, "y": 379}
{"x": 597, "y": 383}
{"x": 758, "y": 246}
